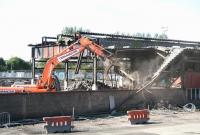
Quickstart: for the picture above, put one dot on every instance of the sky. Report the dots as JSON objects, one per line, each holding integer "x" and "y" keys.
{"x": 24, "y": 22}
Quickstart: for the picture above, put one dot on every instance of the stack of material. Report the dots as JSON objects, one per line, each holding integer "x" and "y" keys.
{"x": 86, "y": 85}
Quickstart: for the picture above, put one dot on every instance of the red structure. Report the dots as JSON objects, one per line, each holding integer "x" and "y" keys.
{"x": 192, "y": 80}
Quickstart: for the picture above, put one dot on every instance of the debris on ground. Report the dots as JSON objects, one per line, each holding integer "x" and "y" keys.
{"x": 190, "y": 107}
{"x": 162, "y": 109}
{"x": 165, "y": 108}
{"x": 86, "y": 85}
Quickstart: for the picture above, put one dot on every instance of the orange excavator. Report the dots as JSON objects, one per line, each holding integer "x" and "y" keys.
{"x": 47, "y": 82}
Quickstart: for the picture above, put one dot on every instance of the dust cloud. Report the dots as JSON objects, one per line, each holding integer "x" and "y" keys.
{"x": 141, "y": 71}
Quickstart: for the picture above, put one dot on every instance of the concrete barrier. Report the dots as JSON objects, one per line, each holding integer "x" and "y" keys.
{"x": 38, "y": 105}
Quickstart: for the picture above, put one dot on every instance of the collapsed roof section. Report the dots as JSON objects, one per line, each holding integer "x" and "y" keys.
{"x": 165, "y": 62}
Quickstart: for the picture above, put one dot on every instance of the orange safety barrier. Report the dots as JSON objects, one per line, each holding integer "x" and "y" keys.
{"x": 138, "y": 116}
{"x": 58, "y": 124}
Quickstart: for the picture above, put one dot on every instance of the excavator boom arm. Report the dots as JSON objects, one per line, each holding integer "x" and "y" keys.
{"x": 47, "y": 81}
{"x": 72, "y": 50}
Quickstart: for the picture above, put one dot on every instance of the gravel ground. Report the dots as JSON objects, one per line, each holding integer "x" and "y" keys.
{"x": 162, "y": 122}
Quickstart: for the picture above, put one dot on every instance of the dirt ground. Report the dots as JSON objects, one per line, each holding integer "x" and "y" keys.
{"x": 162, "y": 122}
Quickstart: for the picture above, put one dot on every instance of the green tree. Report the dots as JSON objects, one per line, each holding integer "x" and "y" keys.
{"x": 2, "y": 64}
{"x": 72, "y": 30}
{"x": 144, "y": 35}
{"x": 163, "y": 36}
{"x": 138, "y": 34}
{"x": 41, "y": 64}
{"x": 148, "y": 35}
{"x": 16, "y": 63}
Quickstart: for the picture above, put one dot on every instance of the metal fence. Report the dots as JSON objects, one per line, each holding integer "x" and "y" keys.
{"x": 4, "y": 119}
{"x": 193, "y": 93}
{"x": 16, "y": 74}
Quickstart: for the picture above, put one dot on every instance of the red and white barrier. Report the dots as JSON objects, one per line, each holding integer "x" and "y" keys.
{"x": 58, "y": 124}
{"x": 138, "y": 116}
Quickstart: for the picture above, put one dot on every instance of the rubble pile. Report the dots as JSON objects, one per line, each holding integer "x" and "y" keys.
{"x": 165, "y": 109}
{"x": 86, "y": 85}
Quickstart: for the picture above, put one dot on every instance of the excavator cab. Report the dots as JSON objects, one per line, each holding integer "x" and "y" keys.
{"x": 56, "y": 83}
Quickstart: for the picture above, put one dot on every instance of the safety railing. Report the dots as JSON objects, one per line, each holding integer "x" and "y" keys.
{"x": 4, "y": 119}
{"x": 193, "y": 93}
